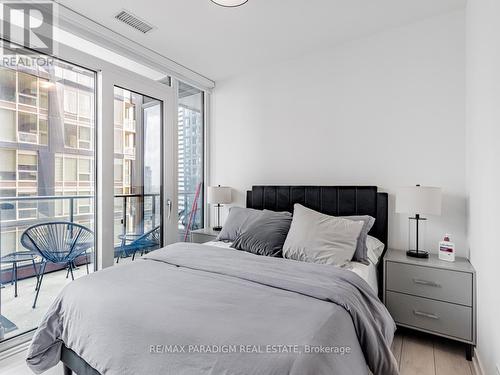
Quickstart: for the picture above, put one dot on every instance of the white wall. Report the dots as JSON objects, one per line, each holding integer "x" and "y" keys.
{"x": 387, "y": 110}
{"x": 483, "y": 172}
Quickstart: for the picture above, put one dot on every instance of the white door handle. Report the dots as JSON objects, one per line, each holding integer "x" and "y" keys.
{"x": 169, "y": 211}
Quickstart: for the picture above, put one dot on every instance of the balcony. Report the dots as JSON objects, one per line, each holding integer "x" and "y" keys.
{"x": 134, "y": 214}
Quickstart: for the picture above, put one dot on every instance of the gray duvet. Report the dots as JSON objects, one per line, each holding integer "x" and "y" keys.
{"x": 197, "y": 309}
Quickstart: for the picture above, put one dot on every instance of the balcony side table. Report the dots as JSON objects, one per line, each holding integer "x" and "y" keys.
{"x": 16, "y": 257}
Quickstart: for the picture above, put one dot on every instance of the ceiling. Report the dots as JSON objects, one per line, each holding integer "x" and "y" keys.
{"x": 221, "y": 42}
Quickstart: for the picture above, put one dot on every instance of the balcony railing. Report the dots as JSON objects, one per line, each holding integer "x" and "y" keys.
{"x": 136, "y": 213}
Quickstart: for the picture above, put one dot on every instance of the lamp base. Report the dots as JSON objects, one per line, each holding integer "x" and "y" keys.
{"x": 217, "y": 229}
{"x": 417, "y": 254}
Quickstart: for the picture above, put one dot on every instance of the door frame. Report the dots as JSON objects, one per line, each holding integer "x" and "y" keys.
{"x": 109, "y": 76}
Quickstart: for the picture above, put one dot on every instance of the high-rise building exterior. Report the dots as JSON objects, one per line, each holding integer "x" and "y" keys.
{"x": 190, "y": 159}
{"x": 46, "y": 144}
{"x": 47, "y": 128}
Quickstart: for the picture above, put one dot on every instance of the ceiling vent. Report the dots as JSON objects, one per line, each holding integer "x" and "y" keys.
{"x": 133, "y": 21}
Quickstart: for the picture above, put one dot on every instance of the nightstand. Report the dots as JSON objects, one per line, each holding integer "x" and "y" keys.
{"x": 432, "y": 295}
{"x": 203, "y": 235}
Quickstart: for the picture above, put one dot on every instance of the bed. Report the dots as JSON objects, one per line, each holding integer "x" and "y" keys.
{"x": 241, "y": 313}
{"x": 367, "y": 271}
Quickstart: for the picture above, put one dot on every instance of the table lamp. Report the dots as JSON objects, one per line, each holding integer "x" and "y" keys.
{"x": 218, "y": 195}
{"x": 418, "y": 200}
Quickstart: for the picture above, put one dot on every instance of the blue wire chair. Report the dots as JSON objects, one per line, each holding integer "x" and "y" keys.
{"x": 57, "y": 242}
{"x": 138, "y": 242}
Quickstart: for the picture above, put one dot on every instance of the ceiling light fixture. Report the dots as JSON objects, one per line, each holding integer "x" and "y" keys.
{"x": 229, "y": 3}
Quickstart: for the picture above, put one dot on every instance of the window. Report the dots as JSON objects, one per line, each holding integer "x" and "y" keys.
{"x": 28, "y": 89}
{"x": 84, "y": 204}
{"x": 7, "y": 125}
{"x": 44, "y": 93}
{"x": 27, "y": 167}
{"x": 190, "y": 156}
{"x": 7, "y": 85}
{"x": 70, "y": 101}
{"x": 43, "y": 131}
{"x": 118, "y": 141}
{"x": 59, "y": 173}
{"x": 8, "y": 215}
{"x": 84, "y": 171}
{"x": 27, "y": 209}
{"x": 70, "y": 169}
{"x": 84, "y": 105}
{"x": 128, "y": 173}
{"x": 118, "y": 113}
{"x": 35, "y": 104}
{"x": 8, "y": 165}
{"x": 118, "y": 171}
{"x": 27, "y": 127}
{"x": 84, "y": 137}
{"x": 71, "y": 135}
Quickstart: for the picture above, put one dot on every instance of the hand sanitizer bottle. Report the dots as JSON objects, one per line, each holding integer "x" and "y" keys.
{"x": 447, "y": 249}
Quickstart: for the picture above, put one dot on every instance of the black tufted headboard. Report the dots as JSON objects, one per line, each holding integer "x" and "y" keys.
{"x": 330, "y": 200}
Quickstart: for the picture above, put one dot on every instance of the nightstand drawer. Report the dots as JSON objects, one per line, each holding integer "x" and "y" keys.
{"x": 439, "y": 284}
{"x": 440, "y": 317}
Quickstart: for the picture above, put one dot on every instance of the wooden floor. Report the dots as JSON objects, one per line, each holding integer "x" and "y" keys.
{"x": 421, "y": 354}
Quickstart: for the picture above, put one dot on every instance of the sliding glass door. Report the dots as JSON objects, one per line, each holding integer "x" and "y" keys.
{"x": 138, "y": 174}
{"x": 47, "y": 176}
{"x": 190, "y": 159}
{"x": 92, "y": 146}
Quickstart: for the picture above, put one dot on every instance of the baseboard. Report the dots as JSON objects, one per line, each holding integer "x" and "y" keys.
{"x": 477, "y": 368}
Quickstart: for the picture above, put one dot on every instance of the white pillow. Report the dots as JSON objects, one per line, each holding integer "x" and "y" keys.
{"x": 318, "y": 238}
{"x": 375, "y": 249}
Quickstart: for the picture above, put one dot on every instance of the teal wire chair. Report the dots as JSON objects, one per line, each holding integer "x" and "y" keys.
{"x": 57, "y": 242}
{"x": 138, "y": 242}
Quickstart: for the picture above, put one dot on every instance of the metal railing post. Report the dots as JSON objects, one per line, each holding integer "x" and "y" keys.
{"x": 153, "y": 211}
{"x": 71, "y": 206}
{"x": 124, "y": 217}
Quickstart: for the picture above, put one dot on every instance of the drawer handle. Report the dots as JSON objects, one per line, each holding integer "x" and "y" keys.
{"x": 425, "y": 282}
{"x": 424, "y": 314}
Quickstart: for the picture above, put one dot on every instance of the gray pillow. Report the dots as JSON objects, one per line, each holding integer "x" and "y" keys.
{"x": 238, "y": 220}
{"x": 318, "y": 238}
{"x": 265, "y": 236}
{"x": 361, "y": 253}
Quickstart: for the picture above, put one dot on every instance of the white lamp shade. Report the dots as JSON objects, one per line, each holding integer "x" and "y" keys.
{"x": 419, "y": 200}
{"x": 219, "y": 194}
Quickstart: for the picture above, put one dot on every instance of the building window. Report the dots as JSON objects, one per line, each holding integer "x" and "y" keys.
{"x": 70, "y": 169}
{"x": 8, "y": 85}
{"x": 71, "y": 135}
{"x": 43, "y": 131}
{"x": 8, "y": 125}
{"x": 84, "y": 137}
{"x": 118, "y": 171}
{"x": 190, "y": 156}
{"x": 84, "y": 170}
{"x": 84, "y": 106}
{"x": 8, "y": 165}
{"x": 28, "y": 89}
{"x": 27, "y": 127}
{"x": 70, "y": 101}
{"x": 27, "y": 167}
